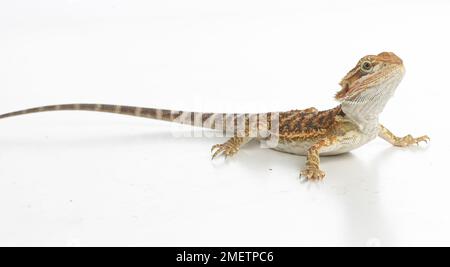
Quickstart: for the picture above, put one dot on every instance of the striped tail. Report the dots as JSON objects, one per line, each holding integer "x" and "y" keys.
{"x": 217, "y": 121}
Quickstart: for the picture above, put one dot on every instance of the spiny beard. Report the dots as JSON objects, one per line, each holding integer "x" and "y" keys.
{"x": 365, "y": 107}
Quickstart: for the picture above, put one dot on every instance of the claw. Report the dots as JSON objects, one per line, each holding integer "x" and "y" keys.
{"x": 214, "y": 147}
{"x": 229, "y": 148}
{"x": 312, "y": 174}
{"x": 226, "y": 149}
{"x": 219, "y": 150}
{"x": 424, "y": 138}
{"x": 409, "y": 140}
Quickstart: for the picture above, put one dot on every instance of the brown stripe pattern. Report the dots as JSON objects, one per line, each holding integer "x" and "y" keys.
{"x": 193, "y": 118}
{"x": 295, "y": 124}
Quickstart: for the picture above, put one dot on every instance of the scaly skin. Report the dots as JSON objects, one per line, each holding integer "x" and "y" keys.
{"x": 401, "y": 141}
{"x": 364, "y": 93}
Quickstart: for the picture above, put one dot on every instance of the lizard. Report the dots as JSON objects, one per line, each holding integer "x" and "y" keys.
{"x": 364, "y": 92}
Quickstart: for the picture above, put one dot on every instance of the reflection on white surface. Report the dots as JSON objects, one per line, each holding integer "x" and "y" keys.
{"x": 98, "y": 187}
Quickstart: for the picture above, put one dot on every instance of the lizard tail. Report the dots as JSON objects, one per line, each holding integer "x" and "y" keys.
{"x": 205, "y": 120}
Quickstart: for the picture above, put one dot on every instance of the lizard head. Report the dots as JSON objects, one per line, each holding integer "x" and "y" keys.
{"x": 375, "y": 77}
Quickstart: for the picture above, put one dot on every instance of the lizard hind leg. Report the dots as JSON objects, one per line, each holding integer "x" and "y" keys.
{"x": 230, "y": 147}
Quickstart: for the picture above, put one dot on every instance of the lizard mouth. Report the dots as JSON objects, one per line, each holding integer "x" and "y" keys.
{"x": 369, "y": 88}
{"x": 359, "y": 93}
{"x": 344, "y": 92}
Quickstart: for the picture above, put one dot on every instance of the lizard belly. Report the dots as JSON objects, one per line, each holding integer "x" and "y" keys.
{"x": 351, "y": 140}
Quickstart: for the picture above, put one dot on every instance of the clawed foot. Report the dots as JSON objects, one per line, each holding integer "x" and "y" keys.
{"x": 409, "y": 140}
{"x": 312, "y": 174}
{"x": 227, "y": 149}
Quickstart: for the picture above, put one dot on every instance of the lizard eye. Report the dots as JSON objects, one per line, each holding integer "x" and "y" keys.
{"x": 366, "y": 66}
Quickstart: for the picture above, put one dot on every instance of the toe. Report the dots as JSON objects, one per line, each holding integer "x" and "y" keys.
{"x": 312, "y": 174}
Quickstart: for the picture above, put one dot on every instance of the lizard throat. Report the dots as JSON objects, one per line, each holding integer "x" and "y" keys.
{"x": 365, "y": 108}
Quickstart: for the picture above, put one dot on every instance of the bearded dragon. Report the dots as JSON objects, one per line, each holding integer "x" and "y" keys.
{"x": 365, "y": 90}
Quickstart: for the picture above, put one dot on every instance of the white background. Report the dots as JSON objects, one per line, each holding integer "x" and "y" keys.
{"x": 77, "y": 178}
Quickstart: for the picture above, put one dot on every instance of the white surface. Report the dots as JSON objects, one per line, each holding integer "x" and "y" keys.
{"x": 75, "y": 178}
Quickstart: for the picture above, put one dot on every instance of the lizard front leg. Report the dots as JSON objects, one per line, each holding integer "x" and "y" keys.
{"x": 230, "y": 147}
{"x": 400, "y": 141}
{"x": 312, "y": 169}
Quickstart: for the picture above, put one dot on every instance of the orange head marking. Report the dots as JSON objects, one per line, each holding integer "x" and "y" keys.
{"x": 370, "y": 75}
